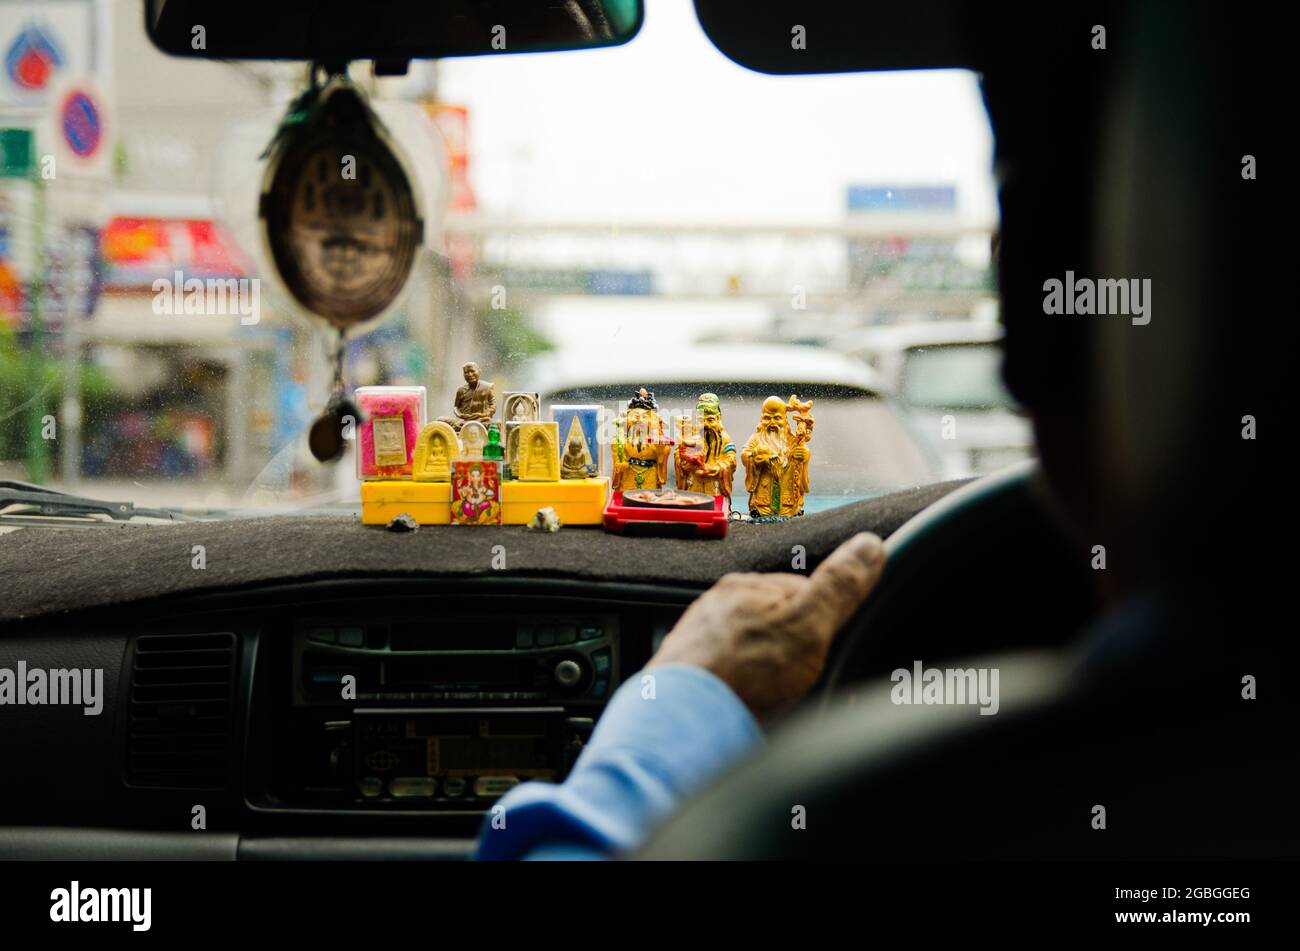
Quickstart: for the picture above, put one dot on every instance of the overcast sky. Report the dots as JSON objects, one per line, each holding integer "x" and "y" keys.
{"x": 666, "y": 128}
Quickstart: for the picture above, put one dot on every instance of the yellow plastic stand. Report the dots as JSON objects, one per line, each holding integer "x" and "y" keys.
{"x": 429, "y": 503}
{"x": 576, "y": 501}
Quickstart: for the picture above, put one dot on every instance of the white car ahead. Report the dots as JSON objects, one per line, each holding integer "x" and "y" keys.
{"x": 946, "y": 379}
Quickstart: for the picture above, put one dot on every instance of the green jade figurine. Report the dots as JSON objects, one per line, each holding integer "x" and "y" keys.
{"x": 493, "y": 449}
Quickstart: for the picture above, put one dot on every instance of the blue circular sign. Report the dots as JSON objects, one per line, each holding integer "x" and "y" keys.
{"x": 82, "y": 127}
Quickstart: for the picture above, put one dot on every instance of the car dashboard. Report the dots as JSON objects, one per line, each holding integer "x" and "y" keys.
{"x": 358, "y": 707}
{"x": 319, "y": 689}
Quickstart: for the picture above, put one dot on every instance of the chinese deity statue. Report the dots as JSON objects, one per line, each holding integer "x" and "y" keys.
{"x": 640, "y": 448}
{"x": 706, "y": 459}
{"x": 776, "y": 459}
{"x": 475, "y": 401}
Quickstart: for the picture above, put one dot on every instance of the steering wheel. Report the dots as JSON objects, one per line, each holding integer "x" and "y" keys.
{"x": 985, "y": 572}
{"x": 972, "y": 573}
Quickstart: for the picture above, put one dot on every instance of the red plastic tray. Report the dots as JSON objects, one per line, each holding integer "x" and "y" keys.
{"x": 708, "y": 523}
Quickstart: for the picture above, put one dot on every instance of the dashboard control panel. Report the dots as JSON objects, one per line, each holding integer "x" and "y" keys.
{"x": 444, "y": 714}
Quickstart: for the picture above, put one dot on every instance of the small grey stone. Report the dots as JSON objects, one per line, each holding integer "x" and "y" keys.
{"x": 546, "y": 520}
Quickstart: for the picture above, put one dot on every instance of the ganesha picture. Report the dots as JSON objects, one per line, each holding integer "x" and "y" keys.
{"x": 476, "y": 492}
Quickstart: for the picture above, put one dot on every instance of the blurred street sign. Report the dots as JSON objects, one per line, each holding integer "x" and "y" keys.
{"x": 81, "y": 123}
{"x": 904, "y": 260}
{"x": 453, "y": 122}
{"x": 42, "y": 44}
{"x": 78, "y": 130}
{"x": 620, "y": 282}
{"x": 17, "y": 153}
{"x": 136, "y": 251}
{"x": 906, "y": 198}
{"x": 72, "y": 265}
{"x": 577, "y": 280}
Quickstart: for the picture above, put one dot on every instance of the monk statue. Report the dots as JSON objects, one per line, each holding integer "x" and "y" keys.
{"x": 475, "y": 401}
{"x": 706, "y": 460}
{"x": 776, "y": 459}
{"x": 573, "y": 464}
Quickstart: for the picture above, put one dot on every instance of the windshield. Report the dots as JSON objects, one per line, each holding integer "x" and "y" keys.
{"x": 637, "y": 212}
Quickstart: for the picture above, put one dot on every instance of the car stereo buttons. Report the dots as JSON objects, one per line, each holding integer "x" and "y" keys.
{"x": 453, "y": 787}
{"x": 412, "y": 787}
{"x": 490, "y": 787}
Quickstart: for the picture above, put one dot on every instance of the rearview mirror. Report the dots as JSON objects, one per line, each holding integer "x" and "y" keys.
{"x": 391, "y": 32}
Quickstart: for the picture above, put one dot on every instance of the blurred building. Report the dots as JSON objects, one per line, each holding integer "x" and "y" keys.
{"x": 206, "y": 396}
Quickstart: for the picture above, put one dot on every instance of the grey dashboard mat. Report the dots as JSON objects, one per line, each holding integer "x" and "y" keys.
{"x": 52, "y": 571}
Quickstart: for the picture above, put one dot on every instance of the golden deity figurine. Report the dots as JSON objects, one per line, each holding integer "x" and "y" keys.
{"x": 640, "y": 448}
{"x": 706, "y": 459}
{"x": 776, "y": 459}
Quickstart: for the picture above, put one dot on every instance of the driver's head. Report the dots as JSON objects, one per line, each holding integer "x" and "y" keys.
{"x": 1138, "y": 424}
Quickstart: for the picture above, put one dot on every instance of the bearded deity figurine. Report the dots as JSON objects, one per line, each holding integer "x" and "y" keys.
{"x": 640, "y": 448}
{"x": 776, "y": 459}
{"x": 706, "y": 459}
{"x": 475, "y": 401}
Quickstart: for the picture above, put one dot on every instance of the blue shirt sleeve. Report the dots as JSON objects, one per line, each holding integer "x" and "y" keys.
{"x": 665, "y": 733}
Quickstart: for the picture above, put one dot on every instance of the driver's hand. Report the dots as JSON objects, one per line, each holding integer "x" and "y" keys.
{"x": 767, "y": 635}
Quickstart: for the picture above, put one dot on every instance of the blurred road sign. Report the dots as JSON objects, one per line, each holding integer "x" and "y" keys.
{"x": 42, "y": 44}
{"x": 78, "y": 130}
{"x": 72, "y": 266}
{"x": 32, "y": 55}
{"x": 17, "y": 153}
{"x": 906, "y": 198}
{"x": 620, "y": 282}
{"x": 81, "y": 123}
{"x": 137, "y": 251}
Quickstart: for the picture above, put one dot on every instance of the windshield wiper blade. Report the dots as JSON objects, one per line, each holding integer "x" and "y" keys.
{"x": 40, "y": 501}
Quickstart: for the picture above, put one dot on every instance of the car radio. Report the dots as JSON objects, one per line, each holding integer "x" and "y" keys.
{"x": 511, "y": 659}
{"x": 441, "y": 714}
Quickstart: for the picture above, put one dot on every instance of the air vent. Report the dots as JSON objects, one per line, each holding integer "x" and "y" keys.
{"x": 182, "y": 705}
